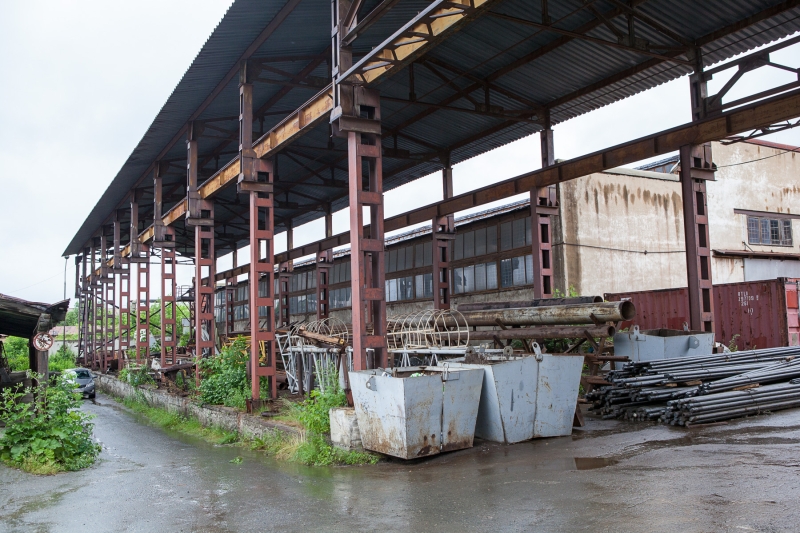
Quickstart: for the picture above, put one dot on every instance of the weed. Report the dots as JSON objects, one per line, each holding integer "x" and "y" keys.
{"x": 236, "y": 460}
{"x": 175, "y": 422}
{"x": 224, "y": 376}
{"x": 48, "y": 435}
{"x": 733, "y": 346}
{"x": 136, "y": 376}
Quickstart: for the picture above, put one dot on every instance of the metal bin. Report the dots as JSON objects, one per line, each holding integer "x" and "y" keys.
{"x": 410, "y": 417}
{"x": 662, "y": 344}
{"x": 527, "y": 397}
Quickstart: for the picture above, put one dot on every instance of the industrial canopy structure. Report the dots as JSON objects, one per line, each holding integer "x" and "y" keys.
{"x": 293, "y": 110}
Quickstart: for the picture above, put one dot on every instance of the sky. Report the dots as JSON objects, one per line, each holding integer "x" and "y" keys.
{"x": 83, "y": 80}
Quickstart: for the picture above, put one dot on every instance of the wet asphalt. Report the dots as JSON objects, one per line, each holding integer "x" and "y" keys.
{"x": 609, "y": 477}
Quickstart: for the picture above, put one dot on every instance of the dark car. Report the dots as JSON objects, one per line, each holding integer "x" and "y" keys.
{"x": 84, "y": 379}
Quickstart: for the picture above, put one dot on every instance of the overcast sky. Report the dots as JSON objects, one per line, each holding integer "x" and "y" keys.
{"x": 83, "y": 80}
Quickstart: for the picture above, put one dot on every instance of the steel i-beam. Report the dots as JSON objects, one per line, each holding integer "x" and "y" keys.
{"x": 444, "y": 229}
{"x": 255, "y": 178}
{"x": 169, "y": 328}
{"x": 324, "y": 263}
{"x": 696, "y": 168}
{"x": 361, "y": 122}
{"x": 142, "y": 319}
{"x": 543, "y": 204}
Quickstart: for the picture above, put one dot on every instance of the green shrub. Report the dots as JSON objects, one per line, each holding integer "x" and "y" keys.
{"x": 16, "y": 351}
{"x": 314, "y": 412}
{"x": 50, "y": 434}
{"x": 136, "y": 376}
{"x": 224, "y": 376}
{"x": 63, "y": 359}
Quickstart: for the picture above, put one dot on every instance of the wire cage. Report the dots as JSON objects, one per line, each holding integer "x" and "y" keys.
{"x": 430, "y": 329}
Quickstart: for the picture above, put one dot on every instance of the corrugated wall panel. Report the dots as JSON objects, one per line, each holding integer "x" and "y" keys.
{"x": 764, "y": 314}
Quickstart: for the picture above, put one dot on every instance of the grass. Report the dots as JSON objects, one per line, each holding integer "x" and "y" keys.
{"x": 173, "y": 421}
{"x": 303, "y": 448}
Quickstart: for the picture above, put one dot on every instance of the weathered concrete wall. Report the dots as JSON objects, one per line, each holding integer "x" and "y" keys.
{"x": 608, "y": 221}
{"x": 227, "y": 418}
{"x": 753, "y": 177}
{"x": 344, "y": 428}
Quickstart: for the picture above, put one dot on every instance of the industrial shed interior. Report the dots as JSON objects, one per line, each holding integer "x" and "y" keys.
{"x": 292, "y": 111}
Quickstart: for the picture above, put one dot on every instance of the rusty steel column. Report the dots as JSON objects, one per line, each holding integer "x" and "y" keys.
{"x": 109, "y": 321}
{"x": 124, "y": 302}
{"x": 86, "y": 279}
{"x": 142, "y": 309}
{"x": 169, "y": 328}
{"x": 103, "y": 298}
{"x": 230, "y": 295}
{"x": 443, "y": 231}
{"x": 284, "y": 279}
{"x": 91, "y": 303}
{"x": 262, "y": 301}
{"x": 204, "y": 289}
{"x": 255, "y": 179}
{"x": 696, "y": 168}
{"x": 365, "y": 165}
{"x": 324, "y": 263}
{"x": 201, "y": 216}
{"x": 81, "y": 303}
{"x": 141, "y": 256}
{"x": 164, "y": 239}
{"x": 543, "y": 204}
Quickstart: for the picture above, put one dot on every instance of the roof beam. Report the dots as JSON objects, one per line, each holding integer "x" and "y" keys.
{"x": 371, "y": 18}
{"x": 585, "y": 37}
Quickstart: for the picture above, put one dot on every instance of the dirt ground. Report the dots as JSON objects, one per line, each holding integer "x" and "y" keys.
{"x": 608, "y": 477}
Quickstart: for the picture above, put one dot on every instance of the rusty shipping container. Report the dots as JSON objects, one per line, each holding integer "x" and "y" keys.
{"x": 764, "y": 314}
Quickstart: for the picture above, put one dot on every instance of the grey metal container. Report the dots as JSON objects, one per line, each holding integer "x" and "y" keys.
{"x": 654, "y": 344}
{"x": 410, "y": 417}
{"x": 527, "y": 397}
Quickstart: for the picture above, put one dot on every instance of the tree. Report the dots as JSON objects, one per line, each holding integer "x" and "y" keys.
{"x": 16, "y": 350}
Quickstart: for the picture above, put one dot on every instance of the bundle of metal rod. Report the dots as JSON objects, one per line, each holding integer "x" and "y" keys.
{"x": 665, "y": 366}
{"x": 733, "y": 404}
{"x": 658, "y": 390}
{"x": 781, "y": 371}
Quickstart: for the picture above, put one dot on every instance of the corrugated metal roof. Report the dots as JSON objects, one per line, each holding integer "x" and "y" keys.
{"x": 573, "y": 77}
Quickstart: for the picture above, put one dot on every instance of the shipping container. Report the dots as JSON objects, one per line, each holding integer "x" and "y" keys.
{"x": 752, "y": 314}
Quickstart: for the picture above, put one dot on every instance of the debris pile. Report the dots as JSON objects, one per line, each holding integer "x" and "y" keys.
{"x": 703, "y": 389}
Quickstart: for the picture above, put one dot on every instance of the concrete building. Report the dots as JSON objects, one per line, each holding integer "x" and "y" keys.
{"x": 625, "y": 231}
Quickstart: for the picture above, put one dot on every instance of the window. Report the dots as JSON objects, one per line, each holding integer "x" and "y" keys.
{"x": 772, "y": 232}
{"x": 516, "y": 271}
{"x": 469, "y": 244}
{"x": 458, "y": 247}
{"x": 474, "y": 278}
{"x": 400, "y": 289}
{"x": 424, "y": 284}
{"x": 340, "y": 298}
{"x": 505, "y": 236}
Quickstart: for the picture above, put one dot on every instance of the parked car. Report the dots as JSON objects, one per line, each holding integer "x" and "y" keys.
{"x": 84, "y": 379}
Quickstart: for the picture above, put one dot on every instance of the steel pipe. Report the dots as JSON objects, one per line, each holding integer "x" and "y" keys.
{"x": 554, "y": 315}
{"x": 543, "y": 332}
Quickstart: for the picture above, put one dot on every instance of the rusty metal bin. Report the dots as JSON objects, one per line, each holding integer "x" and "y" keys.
{"x": 527, "y": 397}
{"x": 411, "y": 417}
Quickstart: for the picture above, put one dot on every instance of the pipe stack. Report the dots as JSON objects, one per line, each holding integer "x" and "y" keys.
{"x": 695, "y": 390}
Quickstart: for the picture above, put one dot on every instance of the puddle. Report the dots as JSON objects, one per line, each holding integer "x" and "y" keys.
{"x": 591, "y": 463}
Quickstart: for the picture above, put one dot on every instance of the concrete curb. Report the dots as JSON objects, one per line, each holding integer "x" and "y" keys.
{"x": 227, "y": 418}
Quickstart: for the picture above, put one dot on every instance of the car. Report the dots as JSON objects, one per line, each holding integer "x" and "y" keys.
{"x": 84, "y": 378}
